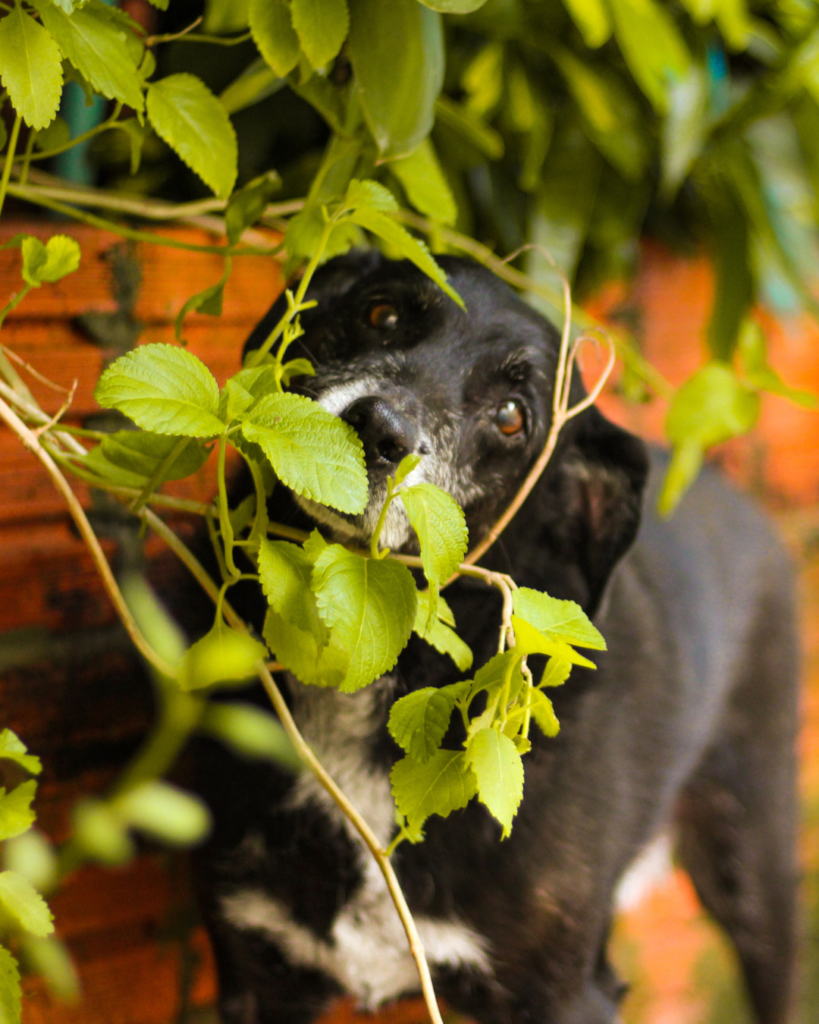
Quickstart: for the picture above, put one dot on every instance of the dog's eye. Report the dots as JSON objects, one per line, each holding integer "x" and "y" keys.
{"x": 510, "y": 419}
{"x": 383, "y": 316}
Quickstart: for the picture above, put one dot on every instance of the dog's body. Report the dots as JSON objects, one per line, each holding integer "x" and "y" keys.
{"x": 689, "y": 719}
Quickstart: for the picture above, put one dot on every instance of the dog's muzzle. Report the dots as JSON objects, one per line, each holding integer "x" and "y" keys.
{"x": 389, "y": 431}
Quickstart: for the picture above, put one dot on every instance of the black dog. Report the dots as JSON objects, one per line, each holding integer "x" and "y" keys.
{"x": 690, "y": 718}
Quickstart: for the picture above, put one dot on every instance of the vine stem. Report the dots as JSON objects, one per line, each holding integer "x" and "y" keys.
{"x": 4, "y": 184}
{"x": 30, "y": 440}
{"x": 311, "y": 762}
{"x": 379, "y": 855}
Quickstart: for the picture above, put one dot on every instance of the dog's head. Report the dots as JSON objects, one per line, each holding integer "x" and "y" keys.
{"x": 471, "y": 393}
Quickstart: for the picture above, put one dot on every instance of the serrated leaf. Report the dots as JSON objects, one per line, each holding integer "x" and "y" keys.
{"x": 490, "y": 676}
{"x": 314, "y": 663}
{"x": 559, "y": 620}
{"x": 26, "y": 906}
{"x": 370, "y": 606}
{"x": 186, "y": 114}
{"x": 163, "y": 389}
{"x": 13, "y": 749}
{"x": 557, "y": 671}
{"x": 529, "y": 640}
{"x": 419, "y": 721}
{"x": 222, "y": 655}
{"x": 141, "y": 452}
{"x": 405, "y": 245}
{"x": 297, "y": 368}
{"x": 286, "y": 574}
{"x": 425, "y": 184}
{"x": 30, "y": 67}
{"x": 165, "y": 812}
{"x": 50, "y": 262}
{"x": 314, "y": 453}
{"x": 544, "y": 714}
{"x": 10, "y": 994}
{"x": 397, "y": 54}
{"x": 16, "y": 814}
{"x": 442, "y": 785}
{"x": 98, "y": 49}
{"x": 438, "y": 633}
{"x": 405, "y": 467}
{"x": 367, "y": 192}
{"x": 250, "y": 731}
{"x": 273, "y": 33}
{"x": 321, "y": 26}
{"x": 498, "y": 769}
{"x": 440, "y": 524}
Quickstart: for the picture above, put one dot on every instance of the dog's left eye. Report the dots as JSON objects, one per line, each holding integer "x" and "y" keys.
{"x": 383, "y": 316}
{"x": 510, "y": 419}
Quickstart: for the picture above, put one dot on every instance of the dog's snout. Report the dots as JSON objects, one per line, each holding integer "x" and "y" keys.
{"x": 387, "y": 433}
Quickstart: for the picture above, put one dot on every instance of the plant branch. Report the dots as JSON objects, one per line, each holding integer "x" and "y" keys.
{"x": 29, "y": 439}
{"x": 307, "y": 756}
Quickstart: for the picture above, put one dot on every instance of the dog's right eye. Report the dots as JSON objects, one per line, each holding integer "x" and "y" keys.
{"x": 383, "y": 316}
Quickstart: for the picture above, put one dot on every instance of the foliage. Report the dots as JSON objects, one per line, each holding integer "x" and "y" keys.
{"x": 575, "y": 126}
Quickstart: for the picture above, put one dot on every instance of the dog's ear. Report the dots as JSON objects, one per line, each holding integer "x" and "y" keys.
{"x": 595, "y": 499}
{"x": 329, "y": 282}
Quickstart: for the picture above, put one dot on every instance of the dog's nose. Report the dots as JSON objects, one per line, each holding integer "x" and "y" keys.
{"x": 386, "y": 433}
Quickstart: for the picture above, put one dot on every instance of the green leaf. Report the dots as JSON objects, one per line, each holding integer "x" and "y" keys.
{"x": 49, "y": 958}
{"x": 424, "y": 182}
{"x": 297, "y": 368}
{"x": 98, "y": 49}
{"x": 498, "y": 769}
{"x": 186, "y": 115}
{"x": 321, "y": 26}
{"x": 651, "y": 46}
{"x": 369, "y": 193}
{"x": 760, "y": 374}
{"x": 313, "y": 662}
{"x": 222, "y": 655}
{"x": 16, "y": 814}
{"x": 735, "y": 286}
{"x": 529, "y": 640}
{"x": 314, "y": 453}
{"x": 592, "y": 18}
{"x": 483, "y": 80}
{"x": 33, "y": 856}
{"x": 286, "y": 573}
{"x": 254, "y": 84}
{"x": 454, "y": 6}
{"x": 369, "y": 605}
{"x": 439, "y": 522}
{"x": 419, "y": 721}
{"x": 50, "y": 262}
{"x": 250, "y": 731}
{"x": 544, "y": 714}
{"x": 53, "y": 136}
{"x": 559, "y": 620}
{"x": 556, "y": 672}
{"x": 26, "y": 906}
{"x": 208, "y": 301}
{"x": 397, "y": 54}
{"x": 442, "y": 785}
{"x": 10, "y": 993}
{"x": 163, "y": 389}
{"x": 13, "y": 749}
{"x": 101, "y": 833}
{"x": 141, "y": 453}
{"x": 273, "y": 33}
{"x": 248, "y": 204}
{"x": 685, "y": 128}
{"x": 438, "y": 633}
{"x": 470, "y": 127}
{"x": 405, "y": 467}
{"x": 405, "y": 245}
{"x": 710, "y": 407}
{"x": 30, "y": 67}
{"x": 165, "y": 812}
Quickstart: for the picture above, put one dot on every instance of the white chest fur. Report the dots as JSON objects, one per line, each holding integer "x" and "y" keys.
{"x": 367, "y": 951}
